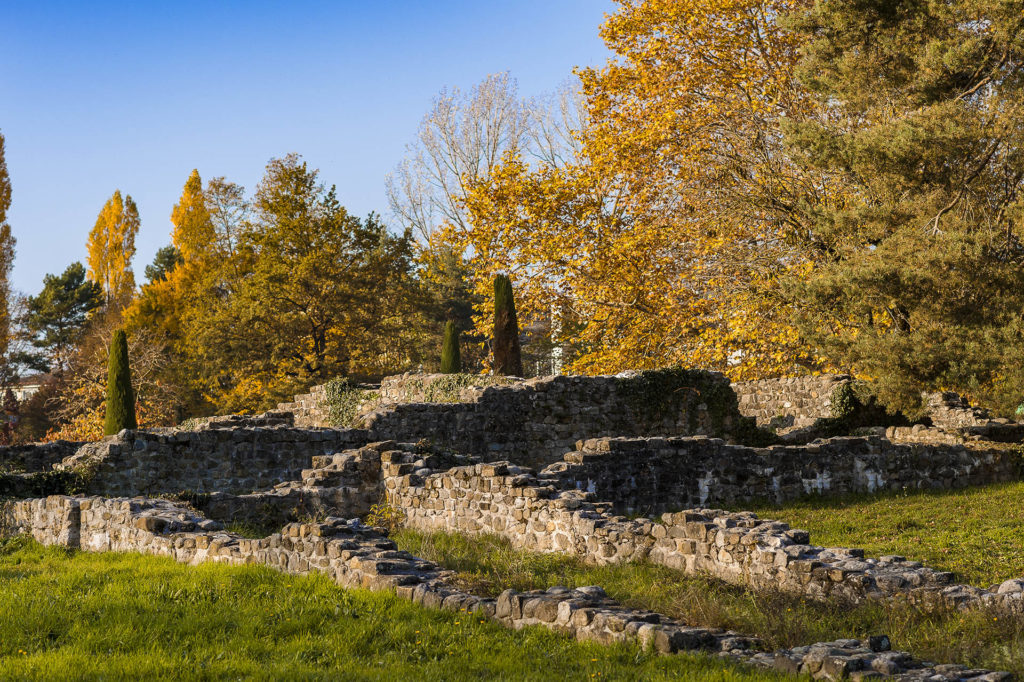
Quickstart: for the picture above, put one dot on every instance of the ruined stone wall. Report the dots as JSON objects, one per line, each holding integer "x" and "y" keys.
{"x": 233, "y": 460}
{"x": 36, "y": 456}
{"x": 790, "y": 401}
{"x": 535, "y": 422}
{"x": 656, "y": 475}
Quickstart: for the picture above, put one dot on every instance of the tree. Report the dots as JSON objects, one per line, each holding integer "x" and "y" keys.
{"x": 111, "y": 248}
{"x": 920, "y": 126}
{"x": 451, "y": 361}
{"x": 7, "y": 243}
{"x": 311, "y": 293}
{"x": 56, "y": 316}
{"x": 663, "y": 239}
{"x": 120, "y": 399}
{"x": 507, "y": 358}
{"x": 167, "y": 258}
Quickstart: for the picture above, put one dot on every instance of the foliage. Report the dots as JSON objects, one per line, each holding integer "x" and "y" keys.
{"x": 154, "y": 619}
{"x": 343, "y": 400}
{"x": 120, "y": 406}
{"x": 918, "y": 128}
{"x": 111, "y": 248}
{"x": 45, "y": 483}
{"x": 384, "y": 515}
{"x": 78, "y": 401}
{"x": 507, "y": 357}
{"x": 309, "y": 293}
{"x": 488, "y": 564}
{"x": 659, "y": 242}
{"x": 451, "y": 359}
{"x": 56, "y": 316}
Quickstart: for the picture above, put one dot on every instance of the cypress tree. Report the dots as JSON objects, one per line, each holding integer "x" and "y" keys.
{"x": 507, "y": 357}
{"x": 120, "y": 399}
{"x": 451, "y": 360}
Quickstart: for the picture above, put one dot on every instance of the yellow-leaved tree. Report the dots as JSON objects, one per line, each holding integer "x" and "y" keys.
{"x": 663, "y": 241}
{"x": 111, "y": 248}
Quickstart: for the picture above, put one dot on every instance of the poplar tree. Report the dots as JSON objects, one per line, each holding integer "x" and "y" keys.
{"x": 507, "y": 357}
{"x": 120, "y": 397}
{"x": 111, "y": 248}
{"x": 921, "y": 134}
{"x": 193, "y": 233}
{"x": 7, "y": 243}
{"x": 451, "y": 359}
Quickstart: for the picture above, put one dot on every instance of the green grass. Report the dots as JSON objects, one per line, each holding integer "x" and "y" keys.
{"x": 69, "y": 615}
{"x": 488, "y": 564}
{"x": 978, "y": 533}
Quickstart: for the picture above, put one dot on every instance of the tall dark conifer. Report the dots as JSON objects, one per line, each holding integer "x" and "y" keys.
{"x": 451, "y": 358}
{"x": 120, "y": 397}
{"x": 507, "y": 356}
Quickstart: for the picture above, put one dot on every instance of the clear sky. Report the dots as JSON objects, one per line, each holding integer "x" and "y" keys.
{"x": 98, "y": 96}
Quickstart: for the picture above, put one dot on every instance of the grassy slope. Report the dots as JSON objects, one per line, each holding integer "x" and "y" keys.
{"x": 70, "y": 615}
{"x": 977, "y": 533}
{"x": 488, "y": 564}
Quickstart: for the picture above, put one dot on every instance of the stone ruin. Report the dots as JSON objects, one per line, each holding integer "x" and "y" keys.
{"x": 609, "y": 469}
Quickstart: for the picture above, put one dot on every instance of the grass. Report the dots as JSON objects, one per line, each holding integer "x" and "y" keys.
{"x": 488, "y": 564}
{"x": 69, "y": 615}
{"x": 978, "y": 533}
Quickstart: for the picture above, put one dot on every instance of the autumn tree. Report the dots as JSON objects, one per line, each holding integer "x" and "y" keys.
{"x": 111, "y": 248}
{"x": 311, "y": 293}
{"x": 921, "y": 281}
{"x": 664, "y": 238}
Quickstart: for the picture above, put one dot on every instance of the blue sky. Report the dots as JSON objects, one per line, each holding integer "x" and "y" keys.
{"x": 102, "y": 96}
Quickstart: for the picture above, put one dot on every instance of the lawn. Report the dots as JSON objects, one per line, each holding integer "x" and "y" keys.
{"x": 71, "y": 615}
{"x": 978, "y": 533}
{"x": 488, "y": 564}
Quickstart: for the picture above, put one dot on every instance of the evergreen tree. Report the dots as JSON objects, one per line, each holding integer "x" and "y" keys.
{"x": 57, "y": 315}
{"x": 111, "y": 249}
{"x": 921, "y": 134}
{"x": 507, "y": 357}
{"x": 120, "y": 397}
{"x": 167, "y": 258}
{"x": 451, "y": 359}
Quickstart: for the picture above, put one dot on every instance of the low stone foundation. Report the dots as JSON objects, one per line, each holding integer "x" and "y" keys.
{"x": 353, "y": 555}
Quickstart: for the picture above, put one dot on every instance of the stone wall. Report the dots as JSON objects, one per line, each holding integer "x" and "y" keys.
{"x": 353, "y": 555}
{"x": 656, "y": 475}
{"x": 236, "y": 460}
{"x": 36, "y": 456}
{"x": 789, "y": 402}
{"x": 535, "y": 422}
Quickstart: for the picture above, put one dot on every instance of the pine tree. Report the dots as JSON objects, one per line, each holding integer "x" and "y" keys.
{"x": 451, "y": 359}
{"x": 111, "y": 249}
{"x": 507, "y": 357}
{"x": 120, "y": 397}
{"x": 56, "y": 316}
{"x": 921, "y": 276}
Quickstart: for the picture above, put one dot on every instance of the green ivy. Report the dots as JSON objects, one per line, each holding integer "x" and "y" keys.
{"x": 448, "y": 388}
{"x": 343, "y": 400}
